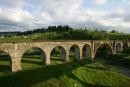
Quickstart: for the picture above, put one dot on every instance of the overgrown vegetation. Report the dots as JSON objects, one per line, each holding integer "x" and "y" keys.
{"x": 70, "y": 74}
{"x": 122, "y": 59}
{"x": 63, "y": 33}
{"x": 126, "y": 51}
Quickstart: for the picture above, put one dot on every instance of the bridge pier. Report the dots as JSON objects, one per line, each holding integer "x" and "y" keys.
{"x": 128, "y": 44}
{"x": 67, "y": 55}
{"x": 15, "y": 64}
{"x": 47, "y": 62}
{"x": 15, "y": 56}
{"x": 80, "y": 54}
{"x": 92, "y": 56}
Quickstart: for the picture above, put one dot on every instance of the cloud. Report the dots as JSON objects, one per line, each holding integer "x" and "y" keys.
{"x": 120, "y": 17}
{"x": 12, "y": 3}
{"x": 126, "y": 1}
{"x": 15, "y": 18}
{"x": 29, "y": 14}
{"x": 100, "y": 2}
{"x": 127, "y": 17}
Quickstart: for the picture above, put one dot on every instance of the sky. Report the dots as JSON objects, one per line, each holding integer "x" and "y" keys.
{"x": 22, "y": 15}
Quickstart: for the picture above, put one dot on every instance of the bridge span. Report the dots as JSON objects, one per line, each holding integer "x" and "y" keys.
{"x": 16, "y": 50}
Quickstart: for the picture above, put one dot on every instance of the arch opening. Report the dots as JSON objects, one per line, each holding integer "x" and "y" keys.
{"x": 86, "y": 52}
{"x": 103, "y": 51}
{"x": 5, "y": 62}
{"x": 33, "y": 57}
{"x": 58, "y": 55}
{"x": 118, "y": 48}
{"x": 74, "y": 53}
{"x": 125, "y": 45}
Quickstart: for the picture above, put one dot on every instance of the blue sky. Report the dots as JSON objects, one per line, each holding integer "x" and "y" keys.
{"x": 22, "y": 15}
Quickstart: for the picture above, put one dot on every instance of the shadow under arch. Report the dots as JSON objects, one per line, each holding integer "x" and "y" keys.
{"x": 58, "y": 55}
{"x": 103, "y": 51}
{"x": 118, "y": 48}
{"x": 125, "y": 45}
{"x": 86, "y": 51}
{"x": 74, "y": 52}
{"x": 5, "y": 62}
{"x": 32, "y": 57}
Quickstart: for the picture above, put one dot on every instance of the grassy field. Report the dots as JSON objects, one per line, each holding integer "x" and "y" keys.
{"x": 70, "y": 74}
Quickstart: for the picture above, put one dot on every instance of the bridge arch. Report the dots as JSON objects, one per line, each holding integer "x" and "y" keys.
{"x": 33, "y": 55}
{"x": 103, "y": 50}
{"x": 74, "y": 52}
{"x": 5, "y": 61}
{"x": 86, "y": 51}
{"x": 118, "y": 47}
{"x": 58, "y": 53}
{"x": 125, "y": 45}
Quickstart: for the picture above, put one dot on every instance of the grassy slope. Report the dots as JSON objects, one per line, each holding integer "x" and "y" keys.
{"x": 70, "y": 74}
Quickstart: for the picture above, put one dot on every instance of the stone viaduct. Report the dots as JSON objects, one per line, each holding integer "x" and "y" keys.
{"x": 16, "y": 50}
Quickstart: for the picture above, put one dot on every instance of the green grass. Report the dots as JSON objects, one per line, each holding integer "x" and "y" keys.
{"x": 4, "y": 64}
{"x": 70, "y": 74}
{"x": 31, "y": 62}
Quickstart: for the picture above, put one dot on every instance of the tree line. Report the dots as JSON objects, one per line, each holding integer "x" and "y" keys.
{"x": 68, "y": 33}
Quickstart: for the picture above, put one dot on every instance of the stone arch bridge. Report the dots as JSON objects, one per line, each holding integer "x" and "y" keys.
{"x": 16, "y": 50}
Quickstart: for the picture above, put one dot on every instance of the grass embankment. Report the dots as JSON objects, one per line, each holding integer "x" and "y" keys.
{"x": 70, "y": 74}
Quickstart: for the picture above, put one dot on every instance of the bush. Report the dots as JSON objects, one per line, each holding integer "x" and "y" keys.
{"x": 126, "y": 51}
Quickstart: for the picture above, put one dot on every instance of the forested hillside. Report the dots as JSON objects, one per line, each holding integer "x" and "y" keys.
{"x": 63, "y": 33}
